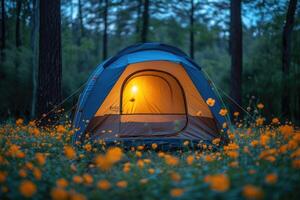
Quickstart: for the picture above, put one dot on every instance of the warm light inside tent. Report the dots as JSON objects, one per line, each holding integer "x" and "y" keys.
{"x": 134, "y": 89}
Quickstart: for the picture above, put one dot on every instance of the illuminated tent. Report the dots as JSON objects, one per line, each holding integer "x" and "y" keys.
{"x": 148, "y": 92}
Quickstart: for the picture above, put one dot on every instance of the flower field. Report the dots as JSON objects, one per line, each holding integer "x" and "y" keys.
{"x": 260, "y": 162}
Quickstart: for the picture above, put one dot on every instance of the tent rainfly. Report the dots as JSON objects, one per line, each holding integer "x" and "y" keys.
{"x": 147, "y": 93}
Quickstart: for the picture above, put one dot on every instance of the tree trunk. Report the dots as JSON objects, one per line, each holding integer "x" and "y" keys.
{"x": 236, "y": 51}
{"x": 34, "y": 49}
{"x": 104, "y": 39}
{"x": 144, "y": 33}
{"x": 286, "y": 58}
{"x": 192, "y": 30}
{"x": 50, "y": 70}
{"x": 80, "y": 22}
{"x": 3, "y": 31}
{"x": 18, "y": 12}
{"x": 138, "y": 17}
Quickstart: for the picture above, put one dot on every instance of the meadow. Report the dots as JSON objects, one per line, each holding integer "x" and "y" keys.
{"x": 261, "y": 161}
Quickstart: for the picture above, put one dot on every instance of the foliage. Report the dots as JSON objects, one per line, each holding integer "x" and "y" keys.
{"x": 169, "y": 19}
{"x": 261, "y": 161}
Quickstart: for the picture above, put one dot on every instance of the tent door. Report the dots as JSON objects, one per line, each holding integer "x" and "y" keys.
{"x": 152, "y": 104}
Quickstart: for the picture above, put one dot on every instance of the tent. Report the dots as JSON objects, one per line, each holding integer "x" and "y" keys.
{"x": 149, "y": 92}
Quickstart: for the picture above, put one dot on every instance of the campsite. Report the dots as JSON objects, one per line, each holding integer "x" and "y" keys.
{"x": 149, "y": 99}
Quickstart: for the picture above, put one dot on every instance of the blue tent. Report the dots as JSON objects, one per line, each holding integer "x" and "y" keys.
{"x": 149, "y": 92}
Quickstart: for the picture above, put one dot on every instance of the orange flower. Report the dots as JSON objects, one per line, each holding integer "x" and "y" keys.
{"x": 19, "y": 121}
{"x": 236, "y": 114}
{"x": 260, "y": 106}
{"x": 62, "y": 183}
{"x": 88, "y": 179}
{"x": 185, "y": 143}
{"x": 296, "y": 164}
{"x": 271, "y": 178}
{"x": 275, "y": 120}
{"x": 175, "y": 176}
{"x": 138, "y": 154}
{"x": 2, "y": 177}
{"x": 27, "y": 188}
{"x": 210, "y": 102}
{"x": 286, "y": 130}
{"x": 41, "y": 158}
{"x": 22, "y": 173}
{"x": 233, "y": 154}
{"x": 296, "y": 153}
{"x": 252, "y": 192}
{"x": 254, "y": 143}
{"x": 223, "y": 112}
{"x": 171, "y": 160}
{"x": 216, "y": 141}
{"x": 218, "y": 182}
{"x": 103, "y": 185}
{"x": 140, "y": 163}
{"x": 176, "y": 192}
{"x": 151, "y": 171}
{"x": 260, "y": 121}
{"x": 77, "y": 179}
{"x": 209, "y": 158}
{"x": 70, "y": 153}
{"x": 190, "y": 159}
{"x": 37, "y": 173}
{"x": 88, "y": 147}
{"x": 154, "y": 146}
{"x": 59, "y": 194}
{"x": 114, "y": 154}
{"x": 264, "y": 139}
{"x": 103, "y": 163}
{"x": 61, "y": 129}
{"x": 122, "y": 184}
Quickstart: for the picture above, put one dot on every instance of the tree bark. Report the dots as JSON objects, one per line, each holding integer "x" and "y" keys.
{"x": 138, "y": 17}
{"x": 18, "y": 13}
{"x": 286, "y": 57}
{"x": 34, "y": 49}
{"x": 80, "y": 21}
{"x": 236, "y": 51}
{"x": 50, "y": 66}
{"x": 145, "y": 27}
{"x": 104, "y": 39}
{"x": 3, "y": 29}
{"x": 3, "y": 39}
{"x": 192, "y": 30}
